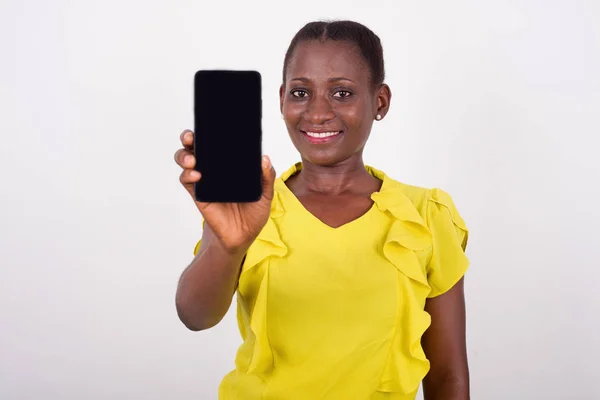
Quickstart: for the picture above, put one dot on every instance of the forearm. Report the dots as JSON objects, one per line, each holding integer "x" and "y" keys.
{"x": 207, "y": 286}
{"x": 446, "y": 387}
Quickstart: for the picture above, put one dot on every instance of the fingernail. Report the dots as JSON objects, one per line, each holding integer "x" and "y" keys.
{"x": 187, "y": 159}
{"x": 266, "y": 161}
{"x": 195, "y": 174}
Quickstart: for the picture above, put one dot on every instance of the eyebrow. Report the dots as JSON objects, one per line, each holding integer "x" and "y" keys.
{"x": 335, "y": 79}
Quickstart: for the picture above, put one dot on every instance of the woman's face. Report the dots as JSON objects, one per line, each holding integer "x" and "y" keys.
{"x": 328, "y": 101}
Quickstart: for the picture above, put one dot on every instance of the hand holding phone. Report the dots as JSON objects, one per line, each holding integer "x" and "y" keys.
{"x": 235, "y": 224}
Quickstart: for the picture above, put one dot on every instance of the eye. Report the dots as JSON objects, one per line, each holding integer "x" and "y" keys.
{"x": 299, "y": 93}
{"x": 342, "y": 94}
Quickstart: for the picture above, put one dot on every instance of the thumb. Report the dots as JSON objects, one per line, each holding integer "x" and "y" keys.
{"x": 268, "y": 173}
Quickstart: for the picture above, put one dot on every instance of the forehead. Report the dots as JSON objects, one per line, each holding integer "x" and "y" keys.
{"x": 323, "y": 60}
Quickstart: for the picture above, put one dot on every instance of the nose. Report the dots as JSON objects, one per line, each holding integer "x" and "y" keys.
{"x": 319, "y": 110}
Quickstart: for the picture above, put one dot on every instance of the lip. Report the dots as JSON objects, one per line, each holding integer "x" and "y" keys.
{"x": 323, "y": 140}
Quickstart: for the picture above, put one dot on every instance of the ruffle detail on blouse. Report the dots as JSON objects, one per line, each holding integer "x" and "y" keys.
{"x": 408, "y": 233}
{"x": 268, "y": 244}
{"x": 443, "y": 199}
{"x": 407, "y": 364}
{"x": 450, "y": 236}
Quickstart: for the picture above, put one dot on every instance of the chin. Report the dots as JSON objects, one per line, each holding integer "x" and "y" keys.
{"x": 324, "y": 159}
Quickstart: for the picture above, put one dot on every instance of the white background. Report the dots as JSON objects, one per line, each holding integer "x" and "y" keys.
{"x": 497, "y": 102}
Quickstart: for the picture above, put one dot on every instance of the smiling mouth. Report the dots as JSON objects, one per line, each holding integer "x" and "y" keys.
{"x": 321, "y": 137}
{"x": 322, "y": 134}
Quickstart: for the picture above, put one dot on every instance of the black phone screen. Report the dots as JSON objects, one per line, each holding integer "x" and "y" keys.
{"x": 228, "y": 135}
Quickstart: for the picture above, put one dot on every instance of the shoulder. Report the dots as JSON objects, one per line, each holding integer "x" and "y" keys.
{"x": 417, "y": 195}
{"x": 439, "y": 213}
{"x": 429, "y": 202}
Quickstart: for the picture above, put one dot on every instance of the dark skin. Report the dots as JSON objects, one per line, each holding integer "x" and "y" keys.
{"x": 328, "y": 87}
{"x": 444, "y": 344}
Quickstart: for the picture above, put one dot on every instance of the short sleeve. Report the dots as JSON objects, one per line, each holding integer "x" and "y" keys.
{"x": 448, "y": 262}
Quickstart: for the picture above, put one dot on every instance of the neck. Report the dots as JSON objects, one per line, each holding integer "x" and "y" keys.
{"x": 347, "y": 176}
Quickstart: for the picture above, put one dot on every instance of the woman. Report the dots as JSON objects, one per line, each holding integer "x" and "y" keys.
{"x": 350, "y": 284}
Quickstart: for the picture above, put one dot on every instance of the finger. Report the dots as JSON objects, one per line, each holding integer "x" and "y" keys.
{"x": 268, "y": 177}
{"x": 189, "y": 176}
{"x": 185, "y": 159}
{"x": 187, "y": 139}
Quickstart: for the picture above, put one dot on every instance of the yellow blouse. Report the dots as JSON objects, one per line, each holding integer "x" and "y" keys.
{"x": 338, "y": 313}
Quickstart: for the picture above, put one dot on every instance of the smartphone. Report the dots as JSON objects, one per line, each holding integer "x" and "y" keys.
{"x": 228, "y": 135}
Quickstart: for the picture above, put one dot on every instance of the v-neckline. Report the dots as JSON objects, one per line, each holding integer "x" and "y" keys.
{"x": 296, "y": 168}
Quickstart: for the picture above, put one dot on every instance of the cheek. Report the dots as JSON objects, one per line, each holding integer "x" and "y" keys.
{"x": 355, "y": 116}
{"x": 358, "y": 119}
{"x": 292, "y": 113}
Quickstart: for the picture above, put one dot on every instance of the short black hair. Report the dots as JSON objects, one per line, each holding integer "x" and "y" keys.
{"x": 364, "y": 38}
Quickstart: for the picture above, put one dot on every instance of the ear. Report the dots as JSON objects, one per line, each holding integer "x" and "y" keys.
{"x": 383, "y": 98}
{"x": 281, "y": 97}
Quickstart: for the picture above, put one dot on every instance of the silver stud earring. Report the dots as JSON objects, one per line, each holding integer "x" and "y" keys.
{"x": 378, "y": 117}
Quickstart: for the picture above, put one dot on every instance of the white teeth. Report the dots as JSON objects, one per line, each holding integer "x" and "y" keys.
{"x": 321, "y": 135}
